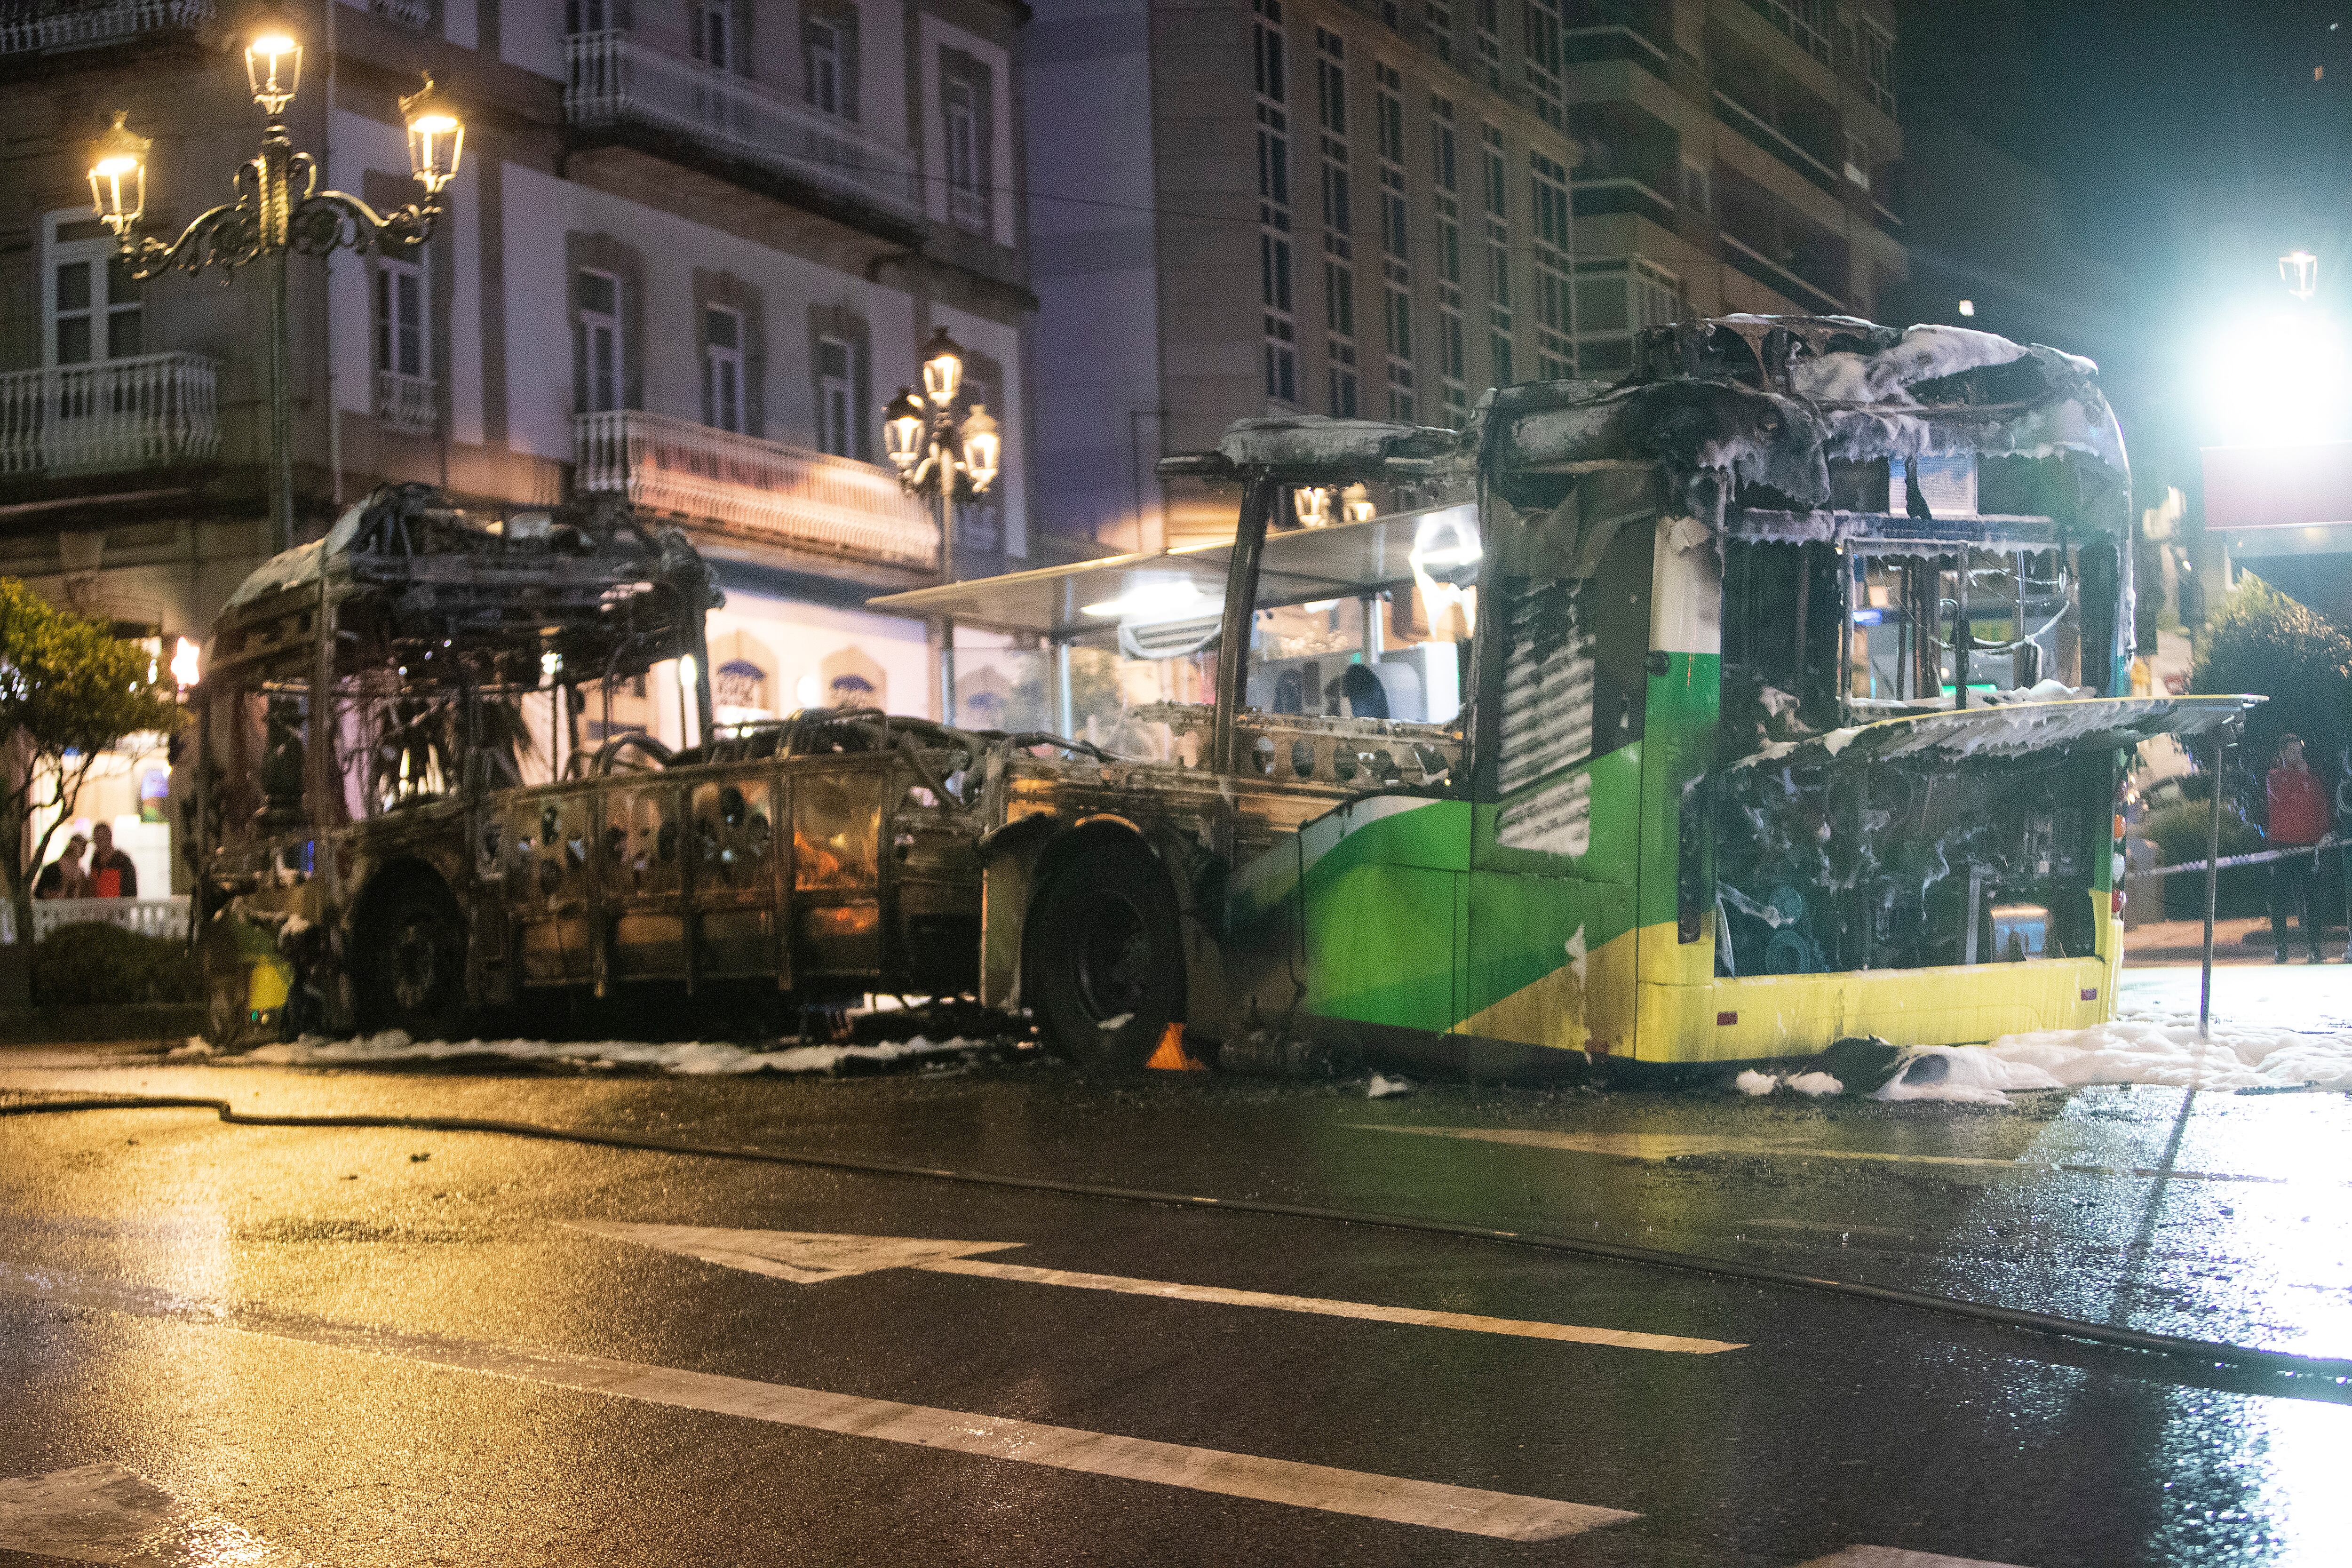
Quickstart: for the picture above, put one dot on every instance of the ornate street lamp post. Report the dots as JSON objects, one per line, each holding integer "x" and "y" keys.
{"x": 279, "y": 208}
{"x": 943, "y": 461}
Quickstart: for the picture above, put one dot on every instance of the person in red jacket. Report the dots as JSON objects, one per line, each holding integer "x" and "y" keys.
{"x": 2299, "y": 816}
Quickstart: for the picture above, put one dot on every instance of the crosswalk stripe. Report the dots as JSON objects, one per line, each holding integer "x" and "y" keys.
{"x": 1895, "y": 1557}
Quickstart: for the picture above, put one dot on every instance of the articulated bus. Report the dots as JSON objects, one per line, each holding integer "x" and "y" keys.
{"x": 1772, "y": 695}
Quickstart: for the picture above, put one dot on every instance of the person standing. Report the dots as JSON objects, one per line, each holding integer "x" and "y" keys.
{"x": 2298, "y": 818}
{"x": 64, "y": 877}
{"x": 111, "y": 873}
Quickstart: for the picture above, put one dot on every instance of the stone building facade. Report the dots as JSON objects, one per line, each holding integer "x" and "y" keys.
{"x": 1384, "y": 208}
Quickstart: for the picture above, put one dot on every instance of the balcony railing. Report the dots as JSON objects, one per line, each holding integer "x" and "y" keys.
{"x": 1773, "y": 275}
{"x": 1586, "y": 45}
{"x": 124, "y": 413}
{"x": 614, "y": 80}
{"x": 28, "y": 26}
{"x": 416, "y": 14}
{"x": 1748, "y": 124}
{"x": 1600, "y": 198}
{"x": 148, "y": 917}
{"x": 408, "y": 404}
{"x": 792, "y": 497}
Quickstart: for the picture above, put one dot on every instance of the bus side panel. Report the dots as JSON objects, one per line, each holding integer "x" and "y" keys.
{"x": 1683, "y": 704}
{"x": 1377, "y": 895}
{"x": 1550, "y": 961}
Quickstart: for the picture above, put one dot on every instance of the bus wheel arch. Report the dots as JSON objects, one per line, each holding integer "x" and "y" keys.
{"x": 1103, "y": 964}
{"x": 407, "y": 960}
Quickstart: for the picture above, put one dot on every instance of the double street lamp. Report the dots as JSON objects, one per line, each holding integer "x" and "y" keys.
{"x": 279, "y": 208}
{"x": 944, "y": 461}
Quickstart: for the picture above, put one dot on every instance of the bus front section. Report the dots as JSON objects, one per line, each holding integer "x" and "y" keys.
{"x": 1823, "y": 629}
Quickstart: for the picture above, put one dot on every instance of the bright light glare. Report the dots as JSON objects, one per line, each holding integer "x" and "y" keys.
{"x": 187, "y": 662}
{"x": 1152, "y": 601}
{"x": 686, "y": 672}
{"x": 1968, "y": 307}
{"x": 2279, "y": 380}
{"x": 273, "y": 44}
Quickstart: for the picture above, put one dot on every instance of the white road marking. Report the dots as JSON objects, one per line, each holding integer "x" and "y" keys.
{"x": 1471, "y": 1321}
{"x": 802, "y": 1257}
{"x": 809, "y": 1258}
{"x": 1673, "y": 1145}
{"x": 1895, "y": 1557}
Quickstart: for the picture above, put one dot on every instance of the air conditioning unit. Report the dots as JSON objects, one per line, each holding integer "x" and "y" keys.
{"x": 1168, "y": 639}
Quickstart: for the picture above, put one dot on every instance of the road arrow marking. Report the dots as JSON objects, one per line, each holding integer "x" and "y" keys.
{"x": 808, "y": 1257}
{"x": 1437, "y": 1505}
{"x": 802, "y": 1257}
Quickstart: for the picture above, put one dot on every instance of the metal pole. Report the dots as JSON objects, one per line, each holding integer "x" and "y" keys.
{"x": 942, "y": 482}
{"x": 281, "y": 410}
{"x": 2212, "y": 883}
{"x": 1065, "y": 710}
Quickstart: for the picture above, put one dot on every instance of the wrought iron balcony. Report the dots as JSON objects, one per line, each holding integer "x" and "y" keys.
{"x": 416, "y": 14}
{"x": 763, "y": 492}
{"x": 28, "y": 27}
{"x": 97, "y": 418}
{"x": 614, "y": 80}
{"x": 408, "y": 404}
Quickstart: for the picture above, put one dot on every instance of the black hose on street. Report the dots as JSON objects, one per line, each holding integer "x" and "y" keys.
{"x": 2210, "y": 1351}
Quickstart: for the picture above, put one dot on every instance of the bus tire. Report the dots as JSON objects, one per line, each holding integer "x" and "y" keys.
{"x": 412, "y": 963}
{"x": 1107, "y": 957}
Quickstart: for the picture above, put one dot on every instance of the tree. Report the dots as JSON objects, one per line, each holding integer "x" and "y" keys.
{"x": 69, "y": 689}
{"x": 2262, "y": 641}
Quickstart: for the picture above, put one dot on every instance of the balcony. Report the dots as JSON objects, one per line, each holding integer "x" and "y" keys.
{"x": 762, "y": 492}
{"x": 1773, "y": 275}
{"x": 408, "y": 404}
{"x": 100, "y": 419}
{"x": 1602, "y": 198}
{"x": 1753, "y": 126}
{"x": 416, "y": 14}
{"x": 614, "y": 82}
{"x": 28, "y": 26}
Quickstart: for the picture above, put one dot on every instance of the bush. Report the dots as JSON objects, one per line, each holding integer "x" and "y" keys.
{"x": 2179, "y": 833}
{"x": 100, "y": 965}
{"x": 2262, "y": 641}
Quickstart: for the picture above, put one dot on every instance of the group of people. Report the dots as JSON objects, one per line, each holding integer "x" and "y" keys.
{"x": 109, "y": 875}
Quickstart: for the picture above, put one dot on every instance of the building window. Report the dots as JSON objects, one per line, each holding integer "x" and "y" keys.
{"x": 95, "y": 308}
{"x": 592, "y": 15}
{"x": 1490, "y": 43}
{"x": 1437, "y": 17}
{"x": 1698, "y": 194}
{"x": 1275, "y": 260}
{"x": 1615, "y": 299}
{"x": 600, "y": 340}
{"x": 837, "y": 397}
{"x": 399, "y": 318}
{"x": 1499, "y": 322}
{"x": 1875, "y": 50}
{"x": 829, "y": 52}
{"x": 722, "y": 368}
{"x": 1806, "y": 22}
{"x": 1858, "y": 160}
{"x": 1396, "y": 269}
{"x": 1446, "y": 182}
{"x": 1555, "y": 260}
{"x": 714, "y": 34}
{"x": 967, "y": 119}
{"x": 1338, "y": 223}
{"x": 1544, "y": 59}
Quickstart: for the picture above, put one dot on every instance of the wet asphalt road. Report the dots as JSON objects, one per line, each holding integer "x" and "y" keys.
{"x": 312, "y": 1346}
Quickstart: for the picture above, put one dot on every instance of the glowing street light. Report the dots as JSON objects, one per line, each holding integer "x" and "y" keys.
{"x": 279, "y": 208}
{"x": 2299, "y": 270}
{"x": 943, "y": 460}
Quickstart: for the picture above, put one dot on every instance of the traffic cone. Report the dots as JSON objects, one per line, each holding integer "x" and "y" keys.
{"x": 1172, "y": 1056}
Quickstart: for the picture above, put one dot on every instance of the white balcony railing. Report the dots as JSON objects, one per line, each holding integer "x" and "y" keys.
{"x": 123, "y": 413}
{"x": 832, "y": 505}
{"x": 26, "y": 26}
{"x": 408, "y": 404}
{"x": 615, "y": 79}
{"x": 148, "y": 917}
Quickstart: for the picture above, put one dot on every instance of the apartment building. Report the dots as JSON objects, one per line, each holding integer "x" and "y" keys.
{"x": 693, "y": 247}
{"x": 1384, "y": 207}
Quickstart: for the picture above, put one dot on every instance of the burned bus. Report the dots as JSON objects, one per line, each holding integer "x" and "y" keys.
{"x": 1774, "y": 694}
{"x": 428, "y": 791}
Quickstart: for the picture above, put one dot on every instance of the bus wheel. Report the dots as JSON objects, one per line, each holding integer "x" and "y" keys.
{"x": 1107, "y": 957}
{"x": 415, "y": 967}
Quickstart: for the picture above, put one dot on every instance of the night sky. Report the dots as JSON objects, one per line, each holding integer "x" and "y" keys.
{"x": 2194, "y": 145}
